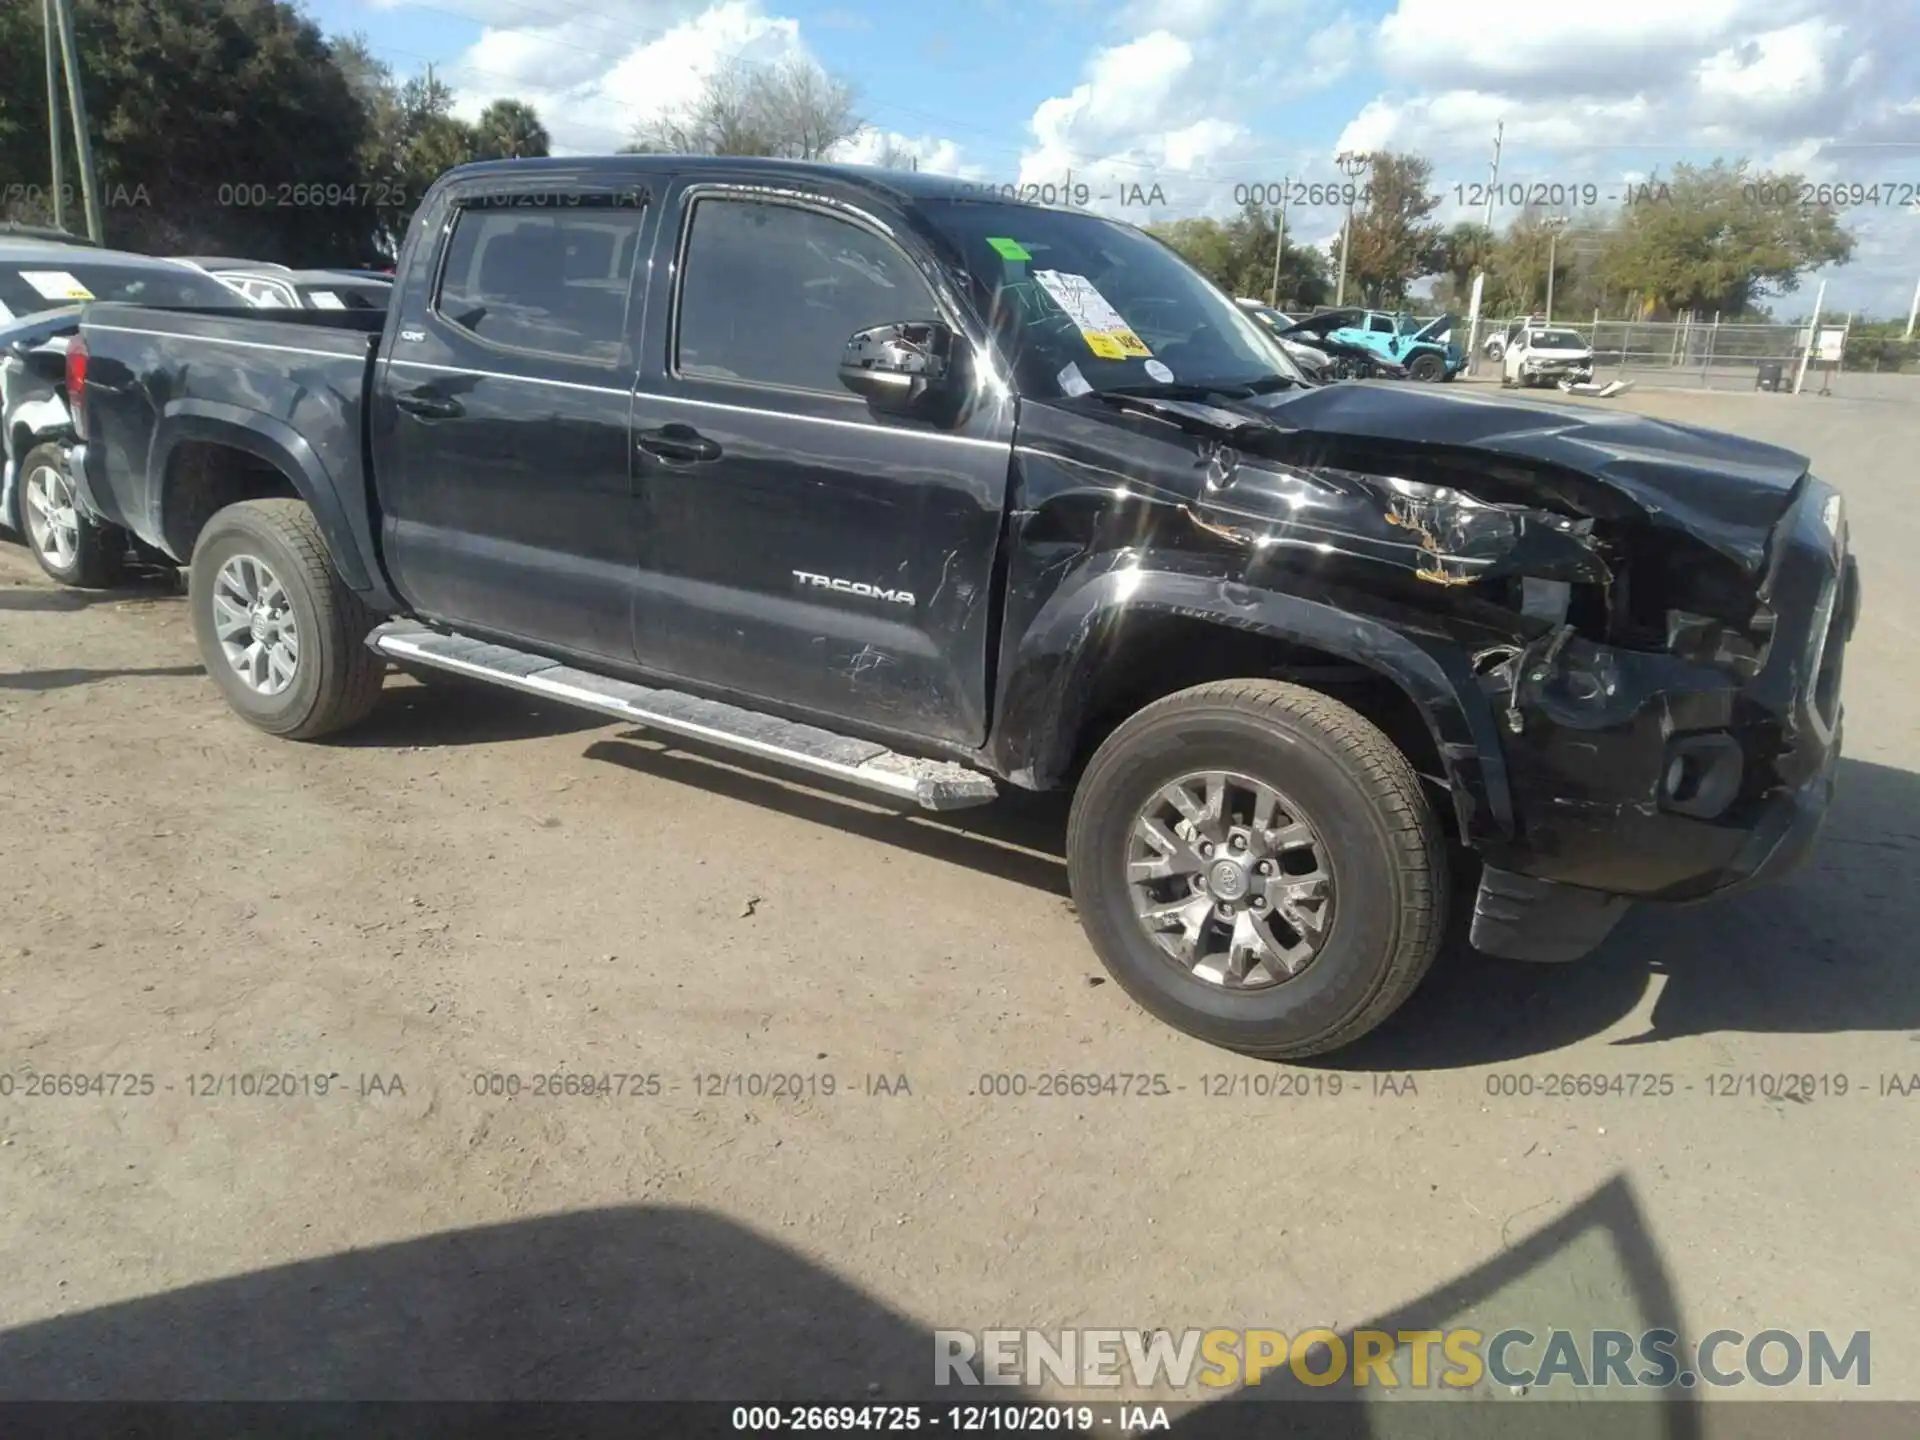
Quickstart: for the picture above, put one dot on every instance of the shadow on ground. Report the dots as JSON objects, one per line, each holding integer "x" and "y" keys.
{"x": 144, "y": 585}
{"x": 36, "y": 681}
{"x": 1019, "y": 837}
{"x": 441, "y": 710}
{"x": 1827, "y": 951}
{"x": 639, "y": 1303}
{"x": 1823, "y": 952}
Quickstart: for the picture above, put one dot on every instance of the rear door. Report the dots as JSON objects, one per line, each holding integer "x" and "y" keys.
{"x": 500, "y": 416}
{"x": 798, "y": 546}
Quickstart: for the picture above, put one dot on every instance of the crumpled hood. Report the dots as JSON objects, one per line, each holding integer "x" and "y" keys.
{"x": 1725, "y": 490}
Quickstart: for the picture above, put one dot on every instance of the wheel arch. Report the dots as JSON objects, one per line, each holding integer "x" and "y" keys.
{"x": 1128, "y": 637}
{"x": 209, "y": 455}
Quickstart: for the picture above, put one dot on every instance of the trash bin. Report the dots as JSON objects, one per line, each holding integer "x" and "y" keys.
{"x": 1769, "y": 375}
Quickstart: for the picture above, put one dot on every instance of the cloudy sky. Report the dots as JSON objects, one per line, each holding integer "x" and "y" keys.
{"x": 1203, "y": 97}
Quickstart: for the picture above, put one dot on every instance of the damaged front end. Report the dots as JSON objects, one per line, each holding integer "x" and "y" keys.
{"x": 1658, "y": 660}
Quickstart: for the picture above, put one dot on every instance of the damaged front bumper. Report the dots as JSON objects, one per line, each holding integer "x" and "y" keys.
{"x": 1645, "y": 776}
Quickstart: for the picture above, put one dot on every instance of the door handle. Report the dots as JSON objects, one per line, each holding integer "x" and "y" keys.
{"x": 677, "y": 442}
{"x": 429, "y": 406}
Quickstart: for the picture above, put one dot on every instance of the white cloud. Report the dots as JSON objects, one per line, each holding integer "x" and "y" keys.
{"x": 1204, "y": 97}
{"x": 1594, "y": 93}
{"x": 1513, "y": 42}
{"x": 934, "y": 153}
{"x": 1175, "y": 102}
{"x": 596, "y": 75}
{"x": 1779, "y": 69}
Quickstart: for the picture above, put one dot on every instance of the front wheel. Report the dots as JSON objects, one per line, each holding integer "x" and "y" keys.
{"x": 1257, "y": 865}
{"x": 281, "y": 634}
{"x": 1427, "y": 368}
{"x": 71, "y": 546}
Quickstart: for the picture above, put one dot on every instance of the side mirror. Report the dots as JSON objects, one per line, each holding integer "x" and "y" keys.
{"x": 899, "y": 366}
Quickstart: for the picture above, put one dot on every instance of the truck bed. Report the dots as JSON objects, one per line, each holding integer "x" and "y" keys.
{"x": 294, "y": 380}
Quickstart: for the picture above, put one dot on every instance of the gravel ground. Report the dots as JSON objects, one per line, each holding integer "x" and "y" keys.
{"x": 475, "y": 887}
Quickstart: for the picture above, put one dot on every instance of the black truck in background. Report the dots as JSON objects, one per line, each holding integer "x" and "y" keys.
{"x": 927, "y": 491}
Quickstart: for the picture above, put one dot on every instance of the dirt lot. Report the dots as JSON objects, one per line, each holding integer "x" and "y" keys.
{"x": 474, "y": 887}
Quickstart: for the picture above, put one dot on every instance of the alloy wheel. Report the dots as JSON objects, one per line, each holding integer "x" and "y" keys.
{"x": 253, "y": 620}
{"x": 53, "y": 517}
{"x": 1230, "y": 880}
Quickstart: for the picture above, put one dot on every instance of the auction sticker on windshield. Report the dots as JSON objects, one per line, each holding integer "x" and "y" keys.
{"x": 1106, "y": 334}
{"x": 56, "y": 284}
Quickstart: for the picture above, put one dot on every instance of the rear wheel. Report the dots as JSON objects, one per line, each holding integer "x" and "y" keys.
{"x": 1257, "y": 865}
{"x": 71, "y": 546}
{"x": 280, "y": 633}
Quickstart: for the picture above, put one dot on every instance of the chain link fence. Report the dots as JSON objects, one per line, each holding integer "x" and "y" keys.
{"x": 1707, "y": 354}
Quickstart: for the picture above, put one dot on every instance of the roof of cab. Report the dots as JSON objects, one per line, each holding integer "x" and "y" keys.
{"x": 908, "y": 185}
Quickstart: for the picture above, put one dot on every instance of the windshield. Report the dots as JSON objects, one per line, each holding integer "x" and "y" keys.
{"x": 1079, "y": 303}
{"x": 1556, "y": 340}
{"x": 32, "y": 286}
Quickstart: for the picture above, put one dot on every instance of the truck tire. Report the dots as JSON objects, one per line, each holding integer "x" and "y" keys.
{"x": 1257, "y": 865}
{"x": 279, "y": 631}
{"x": 1427, "y": 368}
{"x": 70, "y": 545}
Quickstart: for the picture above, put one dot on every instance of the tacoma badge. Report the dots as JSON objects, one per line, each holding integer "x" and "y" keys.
{"x": 854, "y": 587}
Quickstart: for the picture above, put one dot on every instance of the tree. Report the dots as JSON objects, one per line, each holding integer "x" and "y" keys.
{"x": 1718, "y": 238}
{"x": 794, "y": 110}
{"x": 1393, "y": 241}
{"x": 1203, "y": 243}
{"x": 509, "y": 130}
{"x": 1237, "y": 255}
{"x": 215, "y": 124}
{"x": 1463, "y": 252}
{"x": 413, "y": 134}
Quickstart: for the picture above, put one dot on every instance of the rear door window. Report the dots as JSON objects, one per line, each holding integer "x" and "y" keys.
{"x": 549, "y": 280}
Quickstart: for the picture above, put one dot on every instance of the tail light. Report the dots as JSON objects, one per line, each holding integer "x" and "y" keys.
{"x": 77, "y": 383}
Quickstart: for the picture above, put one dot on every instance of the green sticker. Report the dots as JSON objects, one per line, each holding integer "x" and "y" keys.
{"x": 1009, "y": 249}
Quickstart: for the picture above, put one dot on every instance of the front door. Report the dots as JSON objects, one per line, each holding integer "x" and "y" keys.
{"x": 500, "y": 422}
{"x": 796, "y": 545}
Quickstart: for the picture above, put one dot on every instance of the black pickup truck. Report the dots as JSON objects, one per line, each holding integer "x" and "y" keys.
{"x": 897, "y": 482}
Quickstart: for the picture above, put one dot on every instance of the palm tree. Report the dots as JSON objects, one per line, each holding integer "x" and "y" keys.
{"x": 509, "y": 130}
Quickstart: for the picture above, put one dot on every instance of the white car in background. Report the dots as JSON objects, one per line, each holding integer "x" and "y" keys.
{"x": 45, "y": 279}
{"x": 272, "y": 286}
{"x": 1548, "y": 355}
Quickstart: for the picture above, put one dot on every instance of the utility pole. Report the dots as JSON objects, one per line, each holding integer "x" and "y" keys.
{"x": 1554, "y": 227}
{"x": 53, "y": 114}
{"x": 1493, "y": 179}
{"x": 77, "y": 102}
{"x": 1353, "y": 166}
{"x": 1913, "y": 310}
{"x": 1280, "y": 247}
{"x": 1813, "y": 337}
